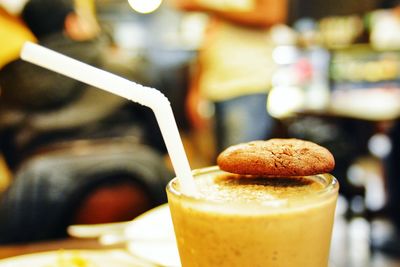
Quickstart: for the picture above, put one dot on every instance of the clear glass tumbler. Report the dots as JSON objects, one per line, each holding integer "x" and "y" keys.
{"x": 290, "y": 230}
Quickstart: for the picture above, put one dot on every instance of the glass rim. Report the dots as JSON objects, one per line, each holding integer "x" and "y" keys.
{"x": 330, "y": 189}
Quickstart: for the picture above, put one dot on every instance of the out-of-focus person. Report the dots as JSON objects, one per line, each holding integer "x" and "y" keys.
{"x": 234, "y": 67}
{"x": 78, "y": 154}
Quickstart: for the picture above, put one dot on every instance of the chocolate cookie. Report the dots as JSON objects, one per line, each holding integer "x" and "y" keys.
{"x": 277, "y": 157}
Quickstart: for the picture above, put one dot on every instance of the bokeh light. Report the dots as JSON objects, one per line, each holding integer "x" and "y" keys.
{"x": 145, "y": 6}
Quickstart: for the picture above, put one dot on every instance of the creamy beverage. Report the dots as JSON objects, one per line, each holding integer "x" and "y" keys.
{"x": 254, "y": 221}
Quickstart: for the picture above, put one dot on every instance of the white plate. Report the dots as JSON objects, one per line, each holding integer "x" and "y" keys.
{"x": 73, "y": 258}
{"x": 151, "y": 237}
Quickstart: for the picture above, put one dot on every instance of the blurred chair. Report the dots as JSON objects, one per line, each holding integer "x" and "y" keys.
{"x": 83, "y": 181}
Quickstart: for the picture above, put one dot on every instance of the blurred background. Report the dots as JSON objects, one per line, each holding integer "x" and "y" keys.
{"x": 234, "y": 71}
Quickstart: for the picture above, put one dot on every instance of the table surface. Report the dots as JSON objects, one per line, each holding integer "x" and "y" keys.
{"x": 70, "y": 243}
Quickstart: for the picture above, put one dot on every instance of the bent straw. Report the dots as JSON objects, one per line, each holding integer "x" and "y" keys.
{"x": 117, "y": 85}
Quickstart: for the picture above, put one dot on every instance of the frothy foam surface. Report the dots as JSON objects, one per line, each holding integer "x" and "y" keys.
{"x": 232, "y": 187}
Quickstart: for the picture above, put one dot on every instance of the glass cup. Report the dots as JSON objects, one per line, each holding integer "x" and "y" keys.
{"x": 286, "y": 232}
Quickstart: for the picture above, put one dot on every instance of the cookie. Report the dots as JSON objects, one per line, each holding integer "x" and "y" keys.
{"x": 276, "y": 157}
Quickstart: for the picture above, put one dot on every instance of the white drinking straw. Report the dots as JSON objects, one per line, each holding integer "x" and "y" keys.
{"x": 112, "y": 83}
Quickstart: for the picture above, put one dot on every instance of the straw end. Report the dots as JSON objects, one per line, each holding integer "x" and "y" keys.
{"x": 26, "y": 48}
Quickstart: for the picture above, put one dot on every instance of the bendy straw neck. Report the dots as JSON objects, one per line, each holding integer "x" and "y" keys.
{"x": 117, "y": 85}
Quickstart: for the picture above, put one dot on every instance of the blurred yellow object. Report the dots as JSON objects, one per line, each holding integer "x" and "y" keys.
{"x": 86, "y": 6}
{"x": 13, "y": 34}
{"x": 340, "y": 31}
{"x": 232, "y": 5}
{"x": 5, "y": 174}
{"x": 72, "y": 259}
